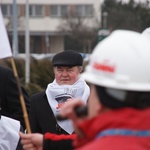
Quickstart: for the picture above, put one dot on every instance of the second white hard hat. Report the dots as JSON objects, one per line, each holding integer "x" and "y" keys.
{"x": 146, "y": 33}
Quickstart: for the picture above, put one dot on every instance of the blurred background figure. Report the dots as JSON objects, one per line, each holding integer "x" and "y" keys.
{"x": 9, "y": 96}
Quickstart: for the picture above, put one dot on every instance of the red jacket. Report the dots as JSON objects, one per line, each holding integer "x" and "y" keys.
{"x": 128, "y": 121}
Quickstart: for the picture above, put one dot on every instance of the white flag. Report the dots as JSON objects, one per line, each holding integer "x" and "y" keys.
{"x": 5, "y": 49}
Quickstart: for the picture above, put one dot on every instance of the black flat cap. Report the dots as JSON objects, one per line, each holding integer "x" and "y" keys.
{"x": 67, "y": 58}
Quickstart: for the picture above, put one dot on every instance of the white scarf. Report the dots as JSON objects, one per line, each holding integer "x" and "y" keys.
{"x": 57, "y": 96}
{"x": 9, "y": 133}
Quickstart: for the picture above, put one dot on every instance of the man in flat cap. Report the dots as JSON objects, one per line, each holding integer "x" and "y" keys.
{"x": 66, "y": 86}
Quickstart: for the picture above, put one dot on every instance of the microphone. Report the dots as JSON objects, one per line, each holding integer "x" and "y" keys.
{"x": 79, "y": 110}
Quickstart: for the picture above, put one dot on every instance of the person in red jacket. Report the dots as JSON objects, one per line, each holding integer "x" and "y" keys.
{"x": 119, "y": 103}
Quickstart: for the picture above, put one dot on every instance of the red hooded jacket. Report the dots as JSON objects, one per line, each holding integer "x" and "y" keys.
{"x": 120, "y": 129}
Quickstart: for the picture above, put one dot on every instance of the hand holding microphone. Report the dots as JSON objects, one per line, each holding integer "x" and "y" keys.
{"x": 80, "y": 111}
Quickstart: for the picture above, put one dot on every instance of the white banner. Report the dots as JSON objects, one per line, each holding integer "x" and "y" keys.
{"x": 5, "y": 49}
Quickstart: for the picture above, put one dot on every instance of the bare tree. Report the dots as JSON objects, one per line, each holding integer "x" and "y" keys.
{"x": 79, "y": 30}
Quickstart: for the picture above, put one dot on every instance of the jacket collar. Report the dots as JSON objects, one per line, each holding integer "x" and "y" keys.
{"x": 120, "y": 118}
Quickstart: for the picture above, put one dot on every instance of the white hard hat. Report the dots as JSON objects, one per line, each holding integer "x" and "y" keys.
{"x": 121, "y": 61}
{"x": 146, "y": 33}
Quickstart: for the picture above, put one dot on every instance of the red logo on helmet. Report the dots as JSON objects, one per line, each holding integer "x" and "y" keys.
{"x": 104, "y": 66}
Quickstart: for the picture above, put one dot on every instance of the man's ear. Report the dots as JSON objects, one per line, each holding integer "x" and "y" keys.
{"x": 103, "y": 108}
{"x": 80, "y": 69}
{"x": 54, "y": 69}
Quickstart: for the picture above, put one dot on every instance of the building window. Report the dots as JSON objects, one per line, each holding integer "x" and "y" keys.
{"x": 6, "y": 10}
{"x": 84, "y": 10}
{"x": 36, "y": 10}
{"x": 63, "y": 10}
{"x": 58, "y": 10}
{"x": 89, "y": 10}
{"x": 54, "y": 10}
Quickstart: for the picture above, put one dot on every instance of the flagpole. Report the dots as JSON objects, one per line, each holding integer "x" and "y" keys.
{"x": 25, "y": 114}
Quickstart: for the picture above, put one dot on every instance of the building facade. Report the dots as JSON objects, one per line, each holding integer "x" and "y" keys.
{"x": 45, "y": 19}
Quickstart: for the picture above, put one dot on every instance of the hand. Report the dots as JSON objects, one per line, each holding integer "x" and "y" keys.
{"x": 32, "y": 141}
{"x": 68, "y": 111}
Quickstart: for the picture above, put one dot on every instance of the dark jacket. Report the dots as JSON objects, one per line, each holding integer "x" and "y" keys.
{"x": 42, "y": 120}
{"x": 9, "y": 96}
{"x": 41, "y": 117}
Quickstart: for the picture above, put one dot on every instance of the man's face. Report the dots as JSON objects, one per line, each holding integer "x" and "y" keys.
{"x": 66, "y": 75}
